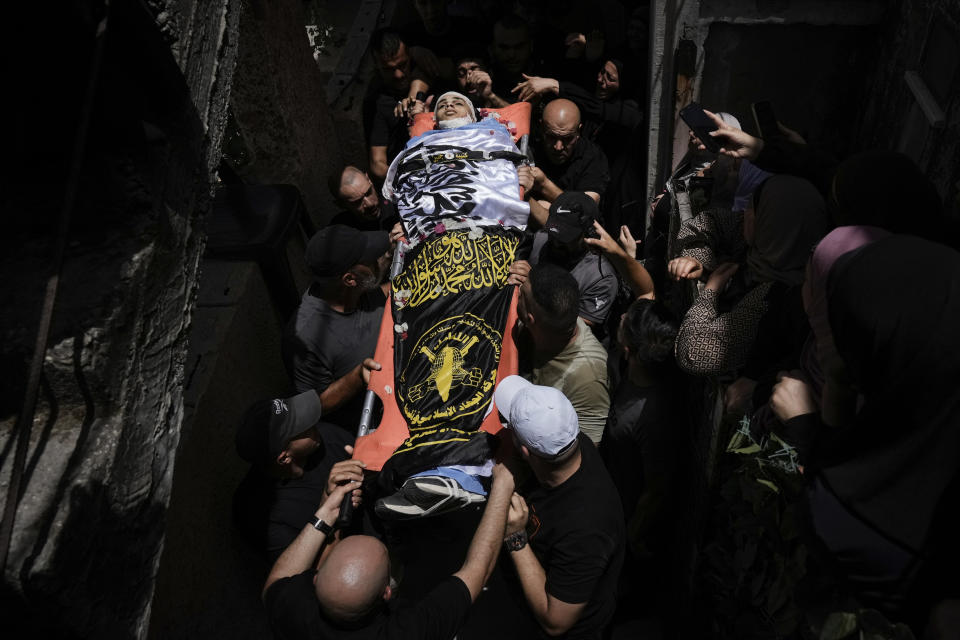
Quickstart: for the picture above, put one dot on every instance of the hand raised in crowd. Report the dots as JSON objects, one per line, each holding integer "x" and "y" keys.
{"x": 344, "y": 472}
{"x": 685, "y": 268}
{"x": 535, "y": 86}
{"x": 734, "y": 142}
{"x": 479, "y": 81}
{"x": 575, "y": 43}
{"x": 518, "y": 272}
{"x": 791, "y": 396}
{"x": 628, "y": 242}
{"x": 518, "y": 515}
{"x": 595, "y": 45}
{"x": 721, "y": 275}
{"x": 604, "y": 242}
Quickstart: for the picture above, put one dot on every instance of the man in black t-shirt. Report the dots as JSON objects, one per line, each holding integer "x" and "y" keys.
{"x": 293, "y": 453}
{"x": 574, "y": 523}
{"x": 566, "y": 161}
{"x": 386, "y": 131}
{"x": 338, "y": 320}
{"x": 347, "y": 595}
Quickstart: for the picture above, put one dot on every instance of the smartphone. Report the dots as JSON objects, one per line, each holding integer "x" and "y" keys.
{"x": 701, "y": 125}
{"x": 765, "y": 119}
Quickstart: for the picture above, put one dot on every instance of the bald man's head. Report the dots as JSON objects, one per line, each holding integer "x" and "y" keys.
{"x": 354, "y": 578}
{"x": 355, "y": 191}
{"x": 561, "y": 130}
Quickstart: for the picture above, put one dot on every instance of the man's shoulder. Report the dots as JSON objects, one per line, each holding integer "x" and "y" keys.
{"x": 594, "y": 480}
{"x": 586, "y": 150}
{"x": 310, "y": 309}
{"x": 436, "y": 616}
{"x": 591, "y": 491}
{"x": 587, "y": 347}
{"x": 592, "y": 269}
{"x": 292, "y": 608}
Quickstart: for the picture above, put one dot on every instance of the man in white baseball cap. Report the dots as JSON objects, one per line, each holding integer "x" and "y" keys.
{"x": 574, "y": 519}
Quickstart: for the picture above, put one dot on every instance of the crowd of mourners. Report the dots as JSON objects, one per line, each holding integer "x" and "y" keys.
{"x": 823, "y": 293}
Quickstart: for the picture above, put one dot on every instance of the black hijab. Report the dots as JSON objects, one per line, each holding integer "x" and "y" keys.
{"x": 791, "y": 217}
{"x": 894, "y": 307}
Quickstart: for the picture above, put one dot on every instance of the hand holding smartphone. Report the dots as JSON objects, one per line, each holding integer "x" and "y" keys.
{"x": 701, "y": 124}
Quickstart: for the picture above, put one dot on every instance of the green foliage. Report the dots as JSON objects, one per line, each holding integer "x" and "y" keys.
{"x": 754, "y": 559}
{"x": 754, "y": 563}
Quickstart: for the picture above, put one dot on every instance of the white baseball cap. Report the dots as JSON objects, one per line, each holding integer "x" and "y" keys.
{"x": 541, "y": 417}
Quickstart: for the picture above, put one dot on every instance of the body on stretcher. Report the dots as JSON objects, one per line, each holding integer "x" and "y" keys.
{"x": 467, "y": 196}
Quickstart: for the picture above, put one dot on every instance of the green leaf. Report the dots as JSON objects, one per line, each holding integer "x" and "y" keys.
{"x": 838, "y": 625}
{"x": 753, "y": 448}
{"x": 769, "y": 485}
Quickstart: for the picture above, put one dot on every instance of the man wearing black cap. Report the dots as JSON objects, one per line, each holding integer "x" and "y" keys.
{"x": 561, "y": 242}
{"x": 338, "y": 320}
{"x": 297, "y": 461}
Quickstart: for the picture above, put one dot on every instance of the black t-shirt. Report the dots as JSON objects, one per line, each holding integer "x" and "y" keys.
{"x": 640, "y": 445}
{"x": 586, "y": 170}
{"x": 272, "y": 512}
{"x": 577, "y": 532}
{"x": 294, "y": 614}
{"x": 321, "y": 345}
{"x": 384, "y": 129}
{"x": 384, "y": 222}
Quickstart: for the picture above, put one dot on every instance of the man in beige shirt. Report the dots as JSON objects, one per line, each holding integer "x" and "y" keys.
{"x": 564, "y": 353}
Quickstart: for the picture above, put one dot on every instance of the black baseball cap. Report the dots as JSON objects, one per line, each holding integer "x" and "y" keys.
{"x": 570, "y": 216}
{"x": 333, "y": 250}
{"x": 269, "y": 425}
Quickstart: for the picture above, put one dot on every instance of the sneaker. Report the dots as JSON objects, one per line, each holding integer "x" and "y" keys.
{"x": 423, "y": 496}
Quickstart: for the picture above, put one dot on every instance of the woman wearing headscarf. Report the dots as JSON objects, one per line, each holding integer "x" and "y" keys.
{"x": 819, "y": 347}
{"x": 611, "y": 119}
{"x": 717, "y": 335}
{"x": 884, "y": 470}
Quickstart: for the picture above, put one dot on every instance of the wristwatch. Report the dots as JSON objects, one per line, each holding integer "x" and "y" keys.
{"x": 321, "y": 526}
{"x": 516, "y": 541}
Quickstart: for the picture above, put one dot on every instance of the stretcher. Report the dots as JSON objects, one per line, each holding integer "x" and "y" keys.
{"x": 378, "y": 440}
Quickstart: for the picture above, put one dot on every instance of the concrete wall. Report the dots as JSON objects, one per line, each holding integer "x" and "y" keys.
{"x": 892, "y": 118}
{"x": 209, "y": 579}
{"x": 89, "y": 527}
{"x": 279, "y": 103}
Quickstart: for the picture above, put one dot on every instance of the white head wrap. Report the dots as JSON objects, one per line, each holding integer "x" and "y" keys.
{"x": 456, "y": 122}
